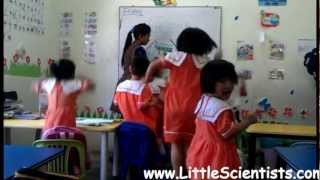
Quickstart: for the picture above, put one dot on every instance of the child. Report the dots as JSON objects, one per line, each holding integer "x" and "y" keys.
{"x": 213, "y": 143}
{"x": 183, "y": 90}
{"x": 141, "y": 33}
{"x": 134, "y": 98}
{"x": 62, "y": 91}
{"x": 140, "y": 112}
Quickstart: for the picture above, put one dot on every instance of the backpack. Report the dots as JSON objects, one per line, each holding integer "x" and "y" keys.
{"x": 310, "y": 62}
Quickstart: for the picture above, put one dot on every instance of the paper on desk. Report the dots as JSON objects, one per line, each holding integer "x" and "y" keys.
{"x": 93, "y": 121}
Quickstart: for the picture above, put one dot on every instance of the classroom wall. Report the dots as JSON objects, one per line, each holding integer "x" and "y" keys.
{"x": 295, "y": 22}
{"x": 41, "y": 46}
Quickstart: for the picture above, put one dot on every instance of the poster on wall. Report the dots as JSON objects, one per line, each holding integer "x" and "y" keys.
{"x": 25, "y": 66}
{"x": 269, "y": 19}
{"x": 65, "y": 23}
{"x": 272, "y": 2}
{"x": 245, "y": 51}
{"x": 276, "y": 50}
{"x": 64, "y": 49}
{"x": 276, "y": 74}
{"x": 24, "y": 16}
{"x": 305, "y": 46}
{"x": 90, "y": 31}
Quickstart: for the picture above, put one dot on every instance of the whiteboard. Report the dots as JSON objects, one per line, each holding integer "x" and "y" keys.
{"x": 166, "y": 24}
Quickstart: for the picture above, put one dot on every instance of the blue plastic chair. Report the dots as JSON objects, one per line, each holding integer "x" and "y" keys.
{"x": 137, "y": 150}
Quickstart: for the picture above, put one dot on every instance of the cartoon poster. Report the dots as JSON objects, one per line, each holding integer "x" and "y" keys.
{"x": 269, "y": 19}
{"x": 276, "y": 74}
{"x": 276, "y": 50}
{"x": 244, "y": 51}
{"x": 272, "y": 2}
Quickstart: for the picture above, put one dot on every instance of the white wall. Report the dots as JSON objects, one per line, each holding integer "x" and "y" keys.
{"x": 295, "y": 22}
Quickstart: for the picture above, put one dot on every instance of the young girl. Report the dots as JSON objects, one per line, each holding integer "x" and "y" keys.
{"x": 141, "y": 34}
{"x": 62, "y": 91}
{"x": 213, "y": 143}
{"x": 134, "y": 98}
{"x": 183, "y": 90}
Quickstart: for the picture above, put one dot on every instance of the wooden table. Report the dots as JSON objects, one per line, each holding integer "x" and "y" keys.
{"x": 304, "y": 132}
{"x": 104, "y": 130}
{"x": 19, "y": 156}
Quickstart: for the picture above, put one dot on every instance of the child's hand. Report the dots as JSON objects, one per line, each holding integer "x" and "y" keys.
{"x": 88, "y": 85}
{"x": 252, "y": 118}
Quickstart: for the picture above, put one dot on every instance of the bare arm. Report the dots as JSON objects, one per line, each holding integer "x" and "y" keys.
{"x": 154, "y": 67}
{"x": 237, "y": 127}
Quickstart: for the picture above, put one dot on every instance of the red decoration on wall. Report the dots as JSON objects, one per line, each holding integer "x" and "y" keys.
{"x": 27, "y": 59}
{"x": 287, "y": 112}
{"x": 272, "y": 112}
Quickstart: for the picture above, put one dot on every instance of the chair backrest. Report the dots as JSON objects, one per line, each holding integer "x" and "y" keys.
{"x": 61, "y": 164}
{"x": 304, "y": 143}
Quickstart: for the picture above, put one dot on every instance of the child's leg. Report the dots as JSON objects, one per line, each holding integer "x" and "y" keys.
{"x": 178, "y": 156}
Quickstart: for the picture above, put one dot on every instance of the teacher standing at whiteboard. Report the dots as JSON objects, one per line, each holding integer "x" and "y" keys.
{"x": 132, "y": 49}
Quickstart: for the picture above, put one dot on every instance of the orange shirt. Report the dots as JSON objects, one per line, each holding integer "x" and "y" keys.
{"x": 62, "y": 96}
{"x": 130, "y": 96}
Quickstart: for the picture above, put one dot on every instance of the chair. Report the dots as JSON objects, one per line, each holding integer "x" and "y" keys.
{"x": 61, "y": 164}
{"x": 137, "y": 150}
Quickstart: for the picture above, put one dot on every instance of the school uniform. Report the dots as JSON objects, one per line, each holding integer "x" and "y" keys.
{"x": 182, "y": 94}
{"x": 62, "y": 96}
{"x": 129, "y": 96}
{"x": 208, "y": 147}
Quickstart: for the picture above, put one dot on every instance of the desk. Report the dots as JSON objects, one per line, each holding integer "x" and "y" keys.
{"x": 18, "y": 156}
{"x": 305, "y": 132}
{"x": 292, "y": 156}
{"x": 103, "y": 130}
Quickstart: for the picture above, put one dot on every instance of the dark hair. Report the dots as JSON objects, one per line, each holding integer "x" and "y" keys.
{"x": 64, "y": 69}
{"x": 138, "y": 30}
{"x": 195, "y": 41}
{"x": 215, "y": 71}
{"x": 139, "y": 66}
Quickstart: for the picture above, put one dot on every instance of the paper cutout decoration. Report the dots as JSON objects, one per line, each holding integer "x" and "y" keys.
{"x": 264, "y": 104}
{"x": 277, "y": 50}
{"x": 291, "y": 91}
{"x": 245, "y": 74}
{"x": 24, "y": 68}
{"x": 165, "y": 2}
{"x": 304, "y": 113}
{"x": 269, "y": 19}
{"x": 287, "y": 112}
{"x": 47, "y": 71}
{"x": 244, "y": 51}
{"x": 100, "y": 111}
{"x": 272, "y": 2}
{"x": 276, "y": 74}
{"x": 272, "y": 112}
